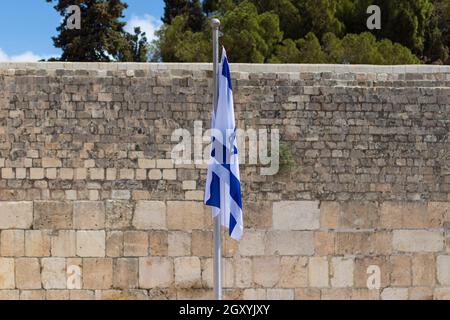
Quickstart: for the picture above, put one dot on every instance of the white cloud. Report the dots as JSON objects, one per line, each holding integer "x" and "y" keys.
{"x": 148, "y": 24}
{"x": 27, "y": 56}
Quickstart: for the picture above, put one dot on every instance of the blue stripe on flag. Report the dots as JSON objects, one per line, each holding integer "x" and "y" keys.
{"x": 233, "y": 223}
{"x": 226, "y": 72}
{"x": 235, "y": 190}
{"x": 214, "y": 200}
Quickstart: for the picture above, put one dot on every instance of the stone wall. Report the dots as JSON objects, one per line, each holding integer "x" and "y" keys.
{"x": 91, "y": 206}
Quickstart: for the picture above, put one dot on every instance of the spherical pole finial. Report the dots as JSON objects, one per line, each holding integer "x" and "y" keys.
{"x": 215, "y": 23}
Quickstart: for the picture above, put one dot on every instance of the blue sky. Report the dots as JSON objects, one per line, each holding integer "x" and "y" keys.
{"x": 26, "y": 26}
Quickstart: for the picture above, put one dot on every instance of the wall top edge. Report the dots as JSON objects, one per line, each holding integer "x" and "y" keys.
{"x": 238, "y": 67}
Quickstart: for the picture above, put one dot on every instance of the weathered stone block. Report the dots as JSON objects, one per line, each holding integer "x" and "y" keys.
{"x": 32, "y": 295}
{"x": 342, "y": 272}
{"x": 57, "y": 295}
{"x": 318, "y": 272}
{"x": 442, "y": 293}
{"x": 187, "y": 215}
{"x": 208, "y": 274}
{"x": 329, "y": 214}
{"x": 324, "y": 243}
{"x": 296, "y": 215}
{"x": 363, "y": 243}
{"x": 422, "y": 266}
{"x": 146, "y": 163}
{"x": 202, "y": 243}
{"x": 258, "y": 215}
{"x": 359, "y": 215}
{"x": 9, "y": 295}
{"x": 63, "y": 244}
{"x": 294, "y": 272}
{"x": 88, "y": 215}
{"x": 150, "y": 215}
{"x": 420, "y": 293}
{"x": 408, "y": 215}
{"x": 187, "y": 272}
{"x": 120, "y": 194}
{"x": 266, "y": 271}
{"x": 97, "y": 273}
{"x": 7, "y": 278}
{"x": 179, "y": 244}
{"x": 417, "y": 241}
{"x": 16, "y": 215}
{"x": 37, "y": 243}
{"x": 255, "y": 294}
{"x": 12, "y": 243}
{"x": 155, "y": 272}
{"x": 154, "y": 174}
{"x": 158, "y": 241}
{"x": 114, "y": 244}
{"x": 307, "y": 294}
{"x": 280, "y": 294}
{"x": 443, "y": 270}
{"x": 54, "y": 273}
{"x": 290, "y": 243}
{"x": 336, "y": 294}
{"x": 400, "y": 267}
{"x": 243, "y": 276}
{"x": 394, "y": 294}
{"x": 52, "y": 215}
{"x": 252, "y": 243}
{"x": 135, "y": 244}
{"x": 91, "y": 243}
{"x": 125, "y": 274}
{"x": 28, "y": 273}
{"x": 119, "y": 214}
{"x": 37, "y": 173}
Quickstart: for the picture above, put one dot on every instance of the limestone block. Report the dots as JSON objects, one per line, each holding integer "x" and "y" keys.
{"x": 296, "y": 215}
{"x": 52, "y": 215}
{"x": 155, "y": 272}
{"x": 179, "y": 244}
{"x": 417, "y": 240}
{"x": 91, "y": 243}
{"x": 28, "y": 273}
{"x": 12, "y": 243}
{"x": 187, "y": 272}
{"x": 37, "y": 243}
{"x": 266, "y": 271}
{"x": 7, "y": 278}
{"x": 97, "y": 273}
{"x": 150, "y": 215}
{"x": 135, "y": 244}
{"x": 16, "y": 215}
{"x": 54, "y": 273}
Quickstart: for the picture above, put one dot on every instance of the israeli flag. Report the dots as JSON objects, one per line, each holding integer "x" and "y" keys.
{"x": 223, "y": 185}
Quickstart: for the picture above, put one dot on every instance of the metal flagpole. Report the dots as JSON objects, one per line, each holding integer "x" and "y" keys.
{"x": 215, "y": 24}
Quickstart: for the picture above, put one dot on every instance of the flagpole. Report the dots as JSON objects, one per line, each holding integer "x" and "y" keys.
{"x": 215, "y": 24}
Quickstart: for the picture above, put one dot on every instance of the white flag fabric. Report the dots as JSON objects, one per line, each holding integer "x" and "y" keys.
{"x": 223, "y": 185}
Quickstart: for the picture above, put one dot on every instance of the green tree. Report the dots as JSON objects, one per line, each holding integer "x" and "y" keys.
{"x": 191, "y": 8}
{"x": 173, "y": 8}
{"x": 176, "y": 44}
{"x": 314, "y": 31}
{"x": 250, "y": 36}
{"x": 365, "y": 49}
{"x": 101, "y": 37}
{"x": 286, "y": 52}
{"x": 138, "y": 45}
{"x": 310, "y": 50}
{"x": 288, "y": 13}
{"x": 402, "y": 21}
{"x": 437, "y": 39}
